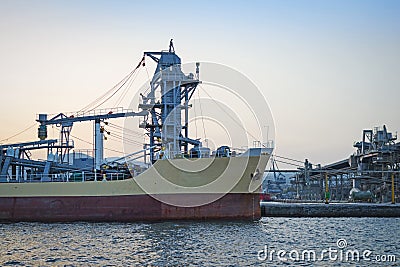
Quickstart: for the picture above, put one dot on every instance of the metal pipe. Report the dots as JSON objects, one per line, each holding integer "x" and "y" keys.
{"x": 98, "y": 143}
{"x": 327, "y": 195}
{"x": 393, "y": 200}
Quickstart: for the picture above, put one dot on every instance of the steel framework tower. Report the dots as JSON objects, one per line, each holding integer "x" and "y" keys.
{"x": 170, "y": 92}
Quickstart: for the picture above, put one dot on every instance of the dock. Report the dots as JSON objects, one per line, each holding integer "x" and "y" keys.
{"x": 307, "y": 209}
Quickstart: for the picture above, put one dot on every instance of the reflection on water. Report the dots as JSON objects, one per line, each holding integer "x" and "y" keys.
{"x": 193, "y": 243}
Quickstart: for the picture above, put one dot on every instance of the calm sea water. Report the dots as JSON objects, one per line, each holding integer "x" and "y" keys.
{"x": 203, "y": 243}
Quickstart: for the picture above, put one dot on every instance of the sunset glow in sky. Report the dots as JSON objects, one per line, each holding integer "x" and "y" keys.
{"x": 329, "y": 69}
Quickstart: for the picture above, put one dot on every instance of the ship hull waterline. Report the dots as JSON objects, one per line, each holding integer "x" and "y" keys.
{"x": 126, "y": 201}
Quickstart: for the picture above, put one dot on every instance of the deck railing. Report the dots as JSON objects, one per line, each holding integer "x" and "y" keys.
{"x": 64, "y": 177}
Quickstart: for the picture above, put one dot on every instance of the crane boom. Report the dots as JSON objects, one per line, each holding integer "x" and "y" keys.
{"x": 66, "y": 123}
{"x": 63, "y": 119}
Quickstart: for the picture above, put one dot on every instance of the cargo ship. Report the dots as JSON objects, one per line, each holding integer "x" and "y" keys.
{"x": 178, "y": 178}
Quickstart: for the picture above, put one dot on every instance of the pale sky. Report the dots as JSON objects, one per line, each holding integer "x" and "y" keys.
{"x": 329, "y": 69}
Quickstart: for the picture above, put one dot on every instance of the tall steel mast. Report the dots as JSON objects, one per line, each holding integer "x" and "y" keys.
{"x": 170, "y": 92}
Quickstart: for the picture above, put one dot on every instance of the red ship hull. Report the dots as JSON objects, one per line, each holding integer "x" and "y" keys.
{"x": 129, "y": 208}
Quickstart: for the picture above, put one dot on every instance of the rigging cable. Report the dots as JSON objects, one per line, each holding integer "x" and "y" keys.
{"x": 240, "y": 125}
{"x": 116, "y": 138}
{"x": 123, "y": 129}
{"x": 122, "y": 97}
{"x": 116, "y": 91}
{"x": 289, "y": 163}
{"x": 128, "y": 140}
{"x": 195, "y": 120}
{"x": 21, "y": 132}
{"x": 90, "y": 143}
{"x": 201, "y": 113}
{"x": 288, "y": 159}
{"x": 148, "y": 76}
{"x": 87, "y": 107}
{"x": 120, "y": 84}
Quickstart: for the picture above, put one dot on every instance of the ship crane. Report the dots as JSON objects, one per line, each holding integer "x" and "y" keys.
{"x": 66, "y": 122}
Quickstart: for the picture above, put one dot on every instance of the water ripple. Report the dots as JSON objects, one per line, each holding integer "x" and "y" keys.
{"x": 191, "y": 243}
